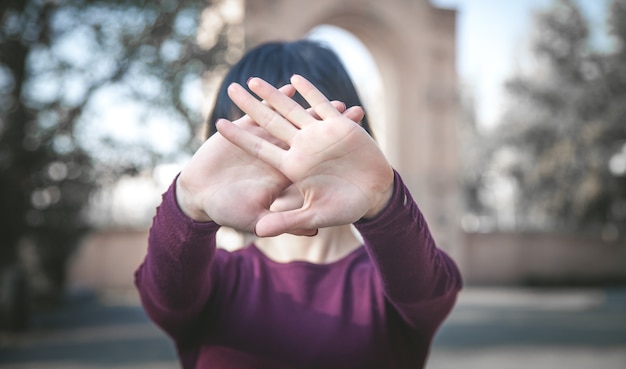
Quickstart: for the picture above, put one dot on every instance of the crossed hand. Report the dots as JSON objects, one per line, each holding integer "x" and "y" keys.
{"x": 285, "y": 169}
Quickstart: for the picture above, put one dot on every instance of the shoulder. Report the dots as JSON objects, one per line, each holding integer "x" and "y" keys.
{"x": 230, "y": 267}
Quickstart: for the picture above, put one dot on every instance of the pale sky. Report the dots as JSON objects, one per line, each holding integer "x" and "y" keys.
{"x": 491, "y": 35}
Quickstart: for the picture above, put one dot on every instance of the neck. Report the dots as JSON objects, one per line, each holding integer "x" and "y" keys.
{"x": 329, "y": 245}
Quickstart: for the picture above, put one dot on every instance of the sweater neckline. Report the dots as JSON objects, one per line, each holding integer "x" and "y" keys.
{"x": 357, "y": 252}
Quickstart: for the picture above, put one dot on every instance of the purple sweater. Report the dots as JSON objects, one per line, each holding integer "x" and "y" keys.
{"x": 378, "y": 307}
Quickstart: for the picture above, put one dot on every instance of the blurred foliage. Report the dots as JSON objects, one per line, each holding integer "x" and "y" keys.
{"x": 64, "y": 65}
{"x": 562, "y": 141}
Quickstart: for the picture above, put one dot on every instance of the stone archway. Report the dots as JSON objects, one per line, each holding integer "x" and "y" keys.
{"x": 414, "y": 46}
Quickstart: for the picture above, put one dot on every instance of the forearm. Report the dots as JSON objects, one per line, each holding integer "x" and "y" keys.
{"x": 418, "y": 278}
{"x": 174, "y": 280}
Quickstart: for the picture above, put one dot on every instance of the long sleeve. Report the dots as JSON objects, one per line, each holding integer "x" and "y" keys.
{"x": 174, "y": 280}
{"x": 418, "y": 279}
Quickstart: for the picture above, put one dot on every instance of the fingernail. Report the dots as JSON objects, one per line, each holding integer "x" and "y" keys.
{"x": 315, "y": 234}
{"x": 249, "y": 79}
{"x": 254, "y": 231}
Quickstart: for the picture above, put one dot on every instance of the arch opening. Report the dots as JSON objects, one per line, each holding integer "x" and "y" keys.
{"x": 363, "y": 70}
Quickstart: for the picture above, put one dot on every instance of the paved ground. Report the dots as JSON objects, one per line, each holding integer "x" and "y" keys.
{"x": 489, "y": 328}
{"x": 524, "y": 328}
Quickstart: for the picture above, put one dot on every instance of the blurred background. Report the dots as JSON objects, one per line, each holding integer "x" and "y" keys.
{"x": 507, "y": 120}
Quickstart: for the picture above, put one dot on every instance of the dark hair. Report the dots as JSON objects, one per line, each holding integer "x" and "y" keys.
{"x": 276, "y": 62}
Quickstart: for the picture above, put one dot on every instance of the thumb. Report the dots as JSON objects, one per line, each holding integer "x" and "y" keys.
{"x": 305, "y": 232}
{"x": 297, "y": 222}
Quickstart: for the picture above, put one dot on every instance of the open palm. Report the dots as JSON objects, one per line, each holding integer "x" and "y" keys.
{"x": 225, "y": 184}
{"x": 337, "y": 167}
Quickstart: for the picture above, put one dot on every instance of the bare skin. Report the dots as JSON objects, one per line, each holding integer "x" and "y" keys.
{"x": 283, "y": 169}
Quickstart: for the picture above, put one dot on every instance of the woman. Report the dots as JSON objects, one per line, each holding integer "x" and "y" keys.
{"x": 301, "y": 173}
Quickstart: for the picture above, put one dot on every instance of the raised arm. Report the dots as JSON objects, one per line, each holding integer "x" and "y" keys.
{"x": 220, "y": 185}
{"x": 420, "y": 280}
{"x": 174, "y": 280}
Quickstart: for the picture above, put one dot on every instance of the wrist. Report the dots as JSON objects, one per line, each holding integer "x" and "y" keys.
{"x": 382, "y": 200}
{"x": 186, "y": 200}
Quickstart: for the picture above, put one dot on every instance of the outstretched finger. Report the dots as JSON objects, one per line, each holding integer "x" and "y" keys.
{"x": 340, "y": 106}
{"x": 262, "y": 113}
{"x": 288, "y": 90}
{"x": 286, "y": 106}
{"x": 254, "y": 145}
{"x": 322, "y": 106}
{"x": 354, "y": 113}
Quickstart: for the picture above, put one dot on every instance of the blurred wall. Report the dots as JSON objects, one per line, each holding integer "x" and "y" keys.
{"x": 542, "y": 259}
{"x": 108, "y": 259}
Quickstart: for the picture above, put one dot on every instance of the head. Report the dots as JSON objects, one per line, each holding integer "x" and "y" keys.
{"x": 276, "y": 62}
